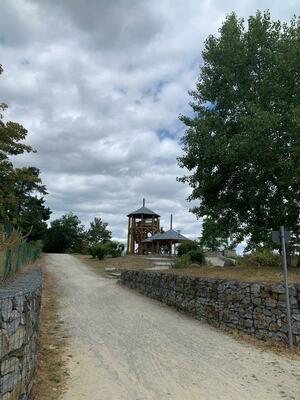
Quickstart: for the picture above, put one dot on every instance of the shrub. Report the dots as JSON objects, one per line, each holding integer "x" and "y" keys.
{"x": 262, "y": 258}
{"x": 93, "y": 251}
{"x": 114, "y": 248}
{"x": 101, "y": 252}
{"x": 183, "y": 262}
{"x": 37, "y": 245}
{"x": 197, "y": 256}
{"x": 186, "y": 247}
{"x": 111, "y": 248}
{"x": 97, "y": 250}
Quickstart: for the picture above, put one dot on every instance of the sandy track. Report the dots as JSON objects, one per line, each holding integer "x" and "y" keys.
{"x": 126, "y": 346}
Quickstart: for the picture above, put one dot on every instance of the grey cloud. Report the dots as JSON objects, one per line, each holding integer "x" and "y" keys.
{"x": 99, "y": 85}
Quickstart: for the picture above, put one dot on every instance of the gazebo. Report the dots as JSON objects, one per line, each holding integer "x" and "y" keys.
{"x": 141, "y": 223}
{"x": 163, "y": 243}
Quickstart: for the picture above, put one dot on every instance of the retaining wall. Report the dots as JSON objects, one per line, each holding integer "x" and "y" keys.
{"x": 257, "y": 309}
{"x": 19, "y": 321}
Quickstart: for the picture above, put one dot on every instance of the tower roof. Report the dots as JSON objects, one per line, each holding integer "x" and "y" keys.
{"x": 143, "y": 211}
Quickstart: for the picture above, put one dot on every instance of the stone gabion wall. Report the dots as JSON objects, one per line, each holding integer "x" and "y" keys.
{"x": 19, "y": 321}
{"x": 257, "y": 309}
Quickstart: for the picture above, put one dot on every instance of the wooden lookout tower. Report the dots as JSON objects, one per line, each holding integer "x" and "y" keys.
{"x": 142, "y": 223}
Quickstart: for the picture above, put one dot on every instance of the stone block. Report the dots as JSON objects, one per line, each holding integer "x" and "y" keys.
{"x": 269, "y": 302}
{"x": 255, "y": 288}
{"x": 6, "y": 308}
{"x": 278, "y": 288}
{"x": 9, "y": 365}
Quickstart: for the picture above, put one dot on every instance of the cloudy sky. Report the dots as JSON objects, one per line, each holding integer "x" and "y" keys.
{"x": 99, "y": 85}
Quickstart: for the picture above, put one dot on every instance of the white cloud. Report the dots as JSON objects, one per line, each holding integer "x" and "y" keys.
{"x": 100, "y": 85}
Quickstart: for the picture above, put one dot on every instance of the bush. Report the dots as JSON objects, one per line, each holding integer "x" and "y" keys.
{"x": 183, "y": 262}
{"x": 97, "y": 250}
{"x": 110, "y": 248}
{"x": 114, "y": 248}
{"x": 187, "y": 246}
{"x": 262, "y": 258}
{"x": 101, "y": 252}
{"x": 37, "y": 245}
{"x": 196, "y": 256}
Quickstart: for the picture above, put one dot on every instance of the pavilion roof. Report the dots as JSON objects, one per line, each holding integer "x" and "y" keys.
{"x": 169, "y": 235}
{"x": 151, "y": 238}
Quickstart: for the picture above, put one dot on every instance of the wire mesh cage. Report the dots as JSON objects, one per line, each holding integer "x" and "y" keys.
{"x": 19, "y": 325}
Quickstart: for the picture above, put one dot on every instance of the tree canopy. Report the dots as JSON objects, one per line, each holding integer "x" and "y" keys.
{"x": 242, "y": 144}
{"x": 213, "y": 237}
{"x": 21, "y": 189}
{"x": 98, "y": 232}
{"x": 65, "y": 234}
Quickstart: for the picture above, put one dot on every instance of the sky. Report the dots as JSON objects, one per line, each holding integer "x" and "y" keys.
{"x": 99, "y": 84}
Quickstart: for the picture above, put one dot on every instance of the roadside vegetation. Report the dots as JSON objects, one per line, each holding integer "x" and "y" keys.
{"x": 51, "y": 375}
{"x": 16, "y": 253}
{"x": 244, "y": 271}
{"x": 189, "y": 253}
{"x": 261, "y": 265}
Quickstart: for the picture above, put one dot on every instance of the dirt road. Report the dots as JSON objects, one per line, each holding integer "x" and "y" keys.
{"x": 126, "y": 346}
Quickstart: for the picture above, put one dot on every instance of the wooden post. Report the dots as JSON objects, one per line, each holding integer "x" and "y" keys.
{"x": 132, "y": 243}
{"x": 141, "y": 236}
{"x": 128, "y": 236}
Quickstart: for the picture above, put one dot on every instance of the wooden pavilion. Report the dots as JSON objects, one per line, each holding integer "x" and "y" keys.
{"x": 141, "y": 224}
{"x": 163, "y": 243}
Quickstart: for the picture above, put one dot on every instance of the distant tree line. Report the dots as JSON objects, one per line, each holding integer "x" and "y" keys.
{"x": 67, "y": 234}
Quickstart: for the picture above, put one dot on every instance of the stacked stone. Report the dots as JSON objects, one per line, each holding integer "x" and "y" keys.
{"x": 19, "y": 320}
{"x": 257, "y": 309}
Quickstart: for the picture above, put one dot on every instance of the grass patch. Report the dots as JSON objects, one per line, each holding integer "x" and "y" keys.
{"x": 124, "y": 262}
{"x": 51, "y": 374}
{"x": 251, "y": 273}
{"x": 240, "y": 272}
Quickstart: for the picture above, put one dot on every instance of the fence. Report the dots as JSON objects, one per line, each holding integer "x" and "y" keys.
{"x": 16, "y": 251}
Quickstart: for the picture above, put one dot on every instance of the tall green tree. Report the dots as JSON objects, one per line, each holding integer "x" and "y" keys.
{"x": 65, "y": 234}
{"x": 242, "y": 145}
{"x": 98, "y": 232}
{"x": 213, "y": 237}
{"x": 21, "y": 189}
{"x": 11, "y": 135}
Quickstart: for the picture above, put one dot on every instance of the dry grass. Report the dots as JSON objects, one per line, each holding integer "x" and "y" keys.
{"x": 249, "y": 273}
{"x": 51, "y": 375}
{"x": 125, "y": 262}
{"x": 242, "y": 273}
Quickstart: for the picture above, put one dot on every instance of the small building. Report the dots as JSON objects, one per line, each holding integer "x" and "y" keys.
{"x": 163, "y": 243}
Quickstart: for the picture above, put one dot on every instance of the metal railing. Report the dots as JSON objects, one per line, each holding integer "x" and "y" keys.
{"x": 16, "y": 251}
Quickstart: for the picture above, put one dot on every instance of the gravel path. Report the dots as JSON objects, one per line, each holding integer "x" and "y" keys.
{"x": 126, "y": 346}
